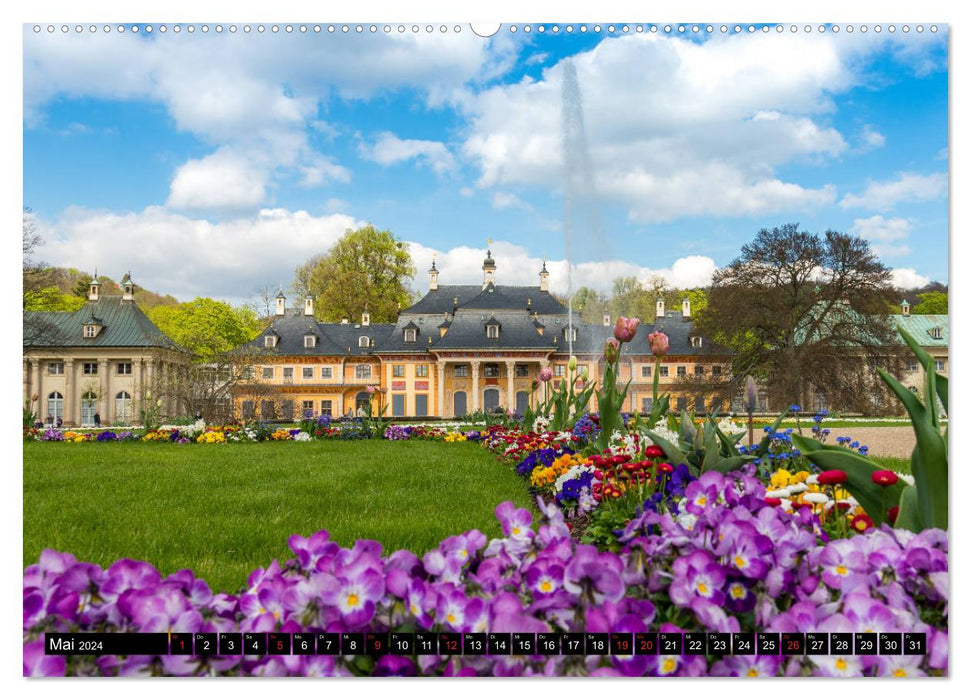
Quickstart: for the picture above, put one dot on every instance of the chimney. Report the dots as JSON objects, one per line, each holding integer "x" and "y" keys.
{"x": 544, "y": 278}
{"x": 365, "y": 319}
{"x": 686, "y": 308}
{"x": 94, "y": 291}
{"x": 281, "y": 303}
{"x": 344, "y": 322}
{"x": 606, "y": 319}
{"x": 308, "y": 306}
{"x": 127, "y": 288}
{"x": 905, "y": 307}
{"x": 433, "y": 278}
{"x": 659, "y": 309}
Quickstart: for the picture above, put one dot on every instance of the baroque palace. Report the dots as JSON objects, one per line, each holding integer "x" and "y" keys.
{"x": 461, "y": 348}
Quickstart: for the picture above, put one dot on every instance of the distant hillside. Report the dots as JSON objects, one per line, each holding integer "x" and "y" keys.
{"x": 75, "y": 282}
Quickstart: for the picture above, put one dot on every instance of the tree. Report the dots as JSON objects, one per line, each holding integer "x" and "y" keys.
{"x": 931, "y": 303}
{"x": 590, "y": 304}
{"x": 51, "y": 299}
{"x": 806, "y": 314}
{"x": 206, "y": 327}
{"x": 631, "y": 299}
{"x": 366, "y": 269}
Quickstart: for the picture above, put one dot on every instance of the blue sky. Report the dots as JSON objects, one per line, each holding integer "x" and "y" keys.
{"x": 213, "y": 164}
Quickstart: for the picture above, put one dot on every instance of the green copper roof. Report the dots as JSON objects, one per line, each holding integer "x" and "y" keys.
{"x": 123, "y": 325}
{"x": 921, "y": 327}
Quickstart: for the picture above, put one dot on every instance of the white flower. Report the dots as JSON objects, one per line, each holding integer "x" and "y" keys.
{"x": 816, "y": 498}
{"x": 813, "y": 479}
{"x": 778, "y": 493}
{"x": 797, "y": 489}
{"x": 302, "y": 437}
{"x": 786, "y": 504}
{"x": 572, "y": 473}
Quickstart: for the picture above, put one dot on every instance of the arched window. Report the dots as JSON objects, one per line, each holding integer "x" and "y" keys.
{"x": 123, "y": 411}
{"x": 89, "y": 406}
{"x": 363, "y": 342}
{"x": 55, "y": 405}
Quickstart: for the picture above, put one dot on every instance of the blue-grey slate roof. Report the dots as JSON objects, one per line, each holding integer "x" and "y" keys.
{"x": 493, "y": 297}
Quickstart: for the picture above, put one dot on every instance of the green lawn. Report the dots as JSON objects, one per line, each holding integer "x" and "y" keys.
{"x": 222, "y": 510}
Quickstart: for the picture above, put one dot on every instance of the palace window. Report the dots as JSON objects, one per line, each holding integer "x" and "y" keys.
{"x": 647, "y": 404}
{"x": 664, "y": 371}
{"x": 912, "y": 366}
{"x": 699, "y": 370}
{"x": 571, "y": 331}
{"x": 522, "y": 370}
{"x": 247, "y": 410}
{"x": 421, "y": 370}
{"x": 938, "y": 365}
{"x": 123, "y": 368}
{"x": 123, "y": 410}
{"x": 308, "y": 409}
{"x": 646, "y": 371}
{"x": 461, "y": 371}
{"x": 90, "y": 330}
{"x": 682, "y": 371}
{"x": 696, "y": 341}
{"x": 308, "y": 372}
{"x": 326, "y": 372}
{"x": 55, "y": 405}
{"x": 362, "y": 371}
{"x": 267, "y": 373}
{"x": 55, "y": 368}
{"x": 310, "y": 341}
{"x": 559, "y": 370}
{"x": 937, "y": 332}
{"x": 397, "y": 370}
{"x": 89, "y": 368}
{"x": 269, "y": 341}
{"x": 411, "y": 335}
{"x": 682, "y": 403}
{"x": 716, "y": 370}
{"x": 491, "y": 370}
{"x": 492, "y": 331}
{"x": 326, "y": 407}
{"x": 363, "y": 342}
{"x": 288, "y": 374}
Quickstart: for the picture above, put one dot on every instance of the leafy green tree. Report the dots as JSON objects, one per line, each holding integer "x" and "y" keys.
{"x": 931, "y": 303}
{"x": 366, "y": 269}
{"x": 205, "y": 326}
{"x": 590, "y": 304}
{"x": 631, "y": 299}
{"x": 51, "y": 299}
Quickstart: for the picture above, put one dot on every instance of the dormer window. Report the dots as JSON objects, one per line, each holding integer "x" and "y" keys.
{"x": 91, "y": 330}
{"x": 696, "y": 341}
{"x": 310, "y": 341}
{"x": 269, "y": 341}
{"x": 363, "y": 342}
{"x": 411, "y": 335}
{"x": 937, "y": 332}
{"x": 571, "y": 332}
{"x": 492, "y": 331}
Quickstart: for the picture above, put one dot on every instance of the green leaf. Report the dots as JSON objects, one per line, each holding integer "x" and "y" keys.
{"x": 874, "y": 499}
{"x": 687, "y": 428}
{"x": 670, "y": 449}
{"x": 922, "y": 355}
{"x": 908, "y": 518}
{"x": 729, "y": 464}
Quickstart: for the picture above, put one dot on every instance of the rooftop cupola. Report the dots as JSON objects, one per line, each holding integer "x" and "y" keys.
{"x": 433, "y": 278}
{"x": 308, "y": 306}
{"x": 686, "y": 308}
{"x": 544, "y": 278}
{"x": 94, "y": 289}
{"x": 281, "y": 303}
{"x": 366, "y": 318}
{"x": 606, "y": 319}
{"x": 488, "y": 270}
{"x": 659, "y": 309}
{"x": 127, "y": 288}
{"x": 905, "y": 307}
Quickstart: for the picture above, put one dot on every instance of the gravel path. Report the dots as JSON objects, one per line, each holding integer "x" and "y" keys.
{"x": 897, "y": 441}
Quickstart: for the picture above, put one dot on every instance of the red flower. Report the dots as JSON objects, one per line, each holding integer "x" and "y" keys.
{"x": 665, "y": 468}
{"x": 892, "y": 514}
{"x": 653, "y": 451}
{"x": 861, "y": 522}
{"x": 773, "y": 501}
{"x": 884, "y": 477}
{"x": 843, "y": 505}
{"x": 834, "y": 476}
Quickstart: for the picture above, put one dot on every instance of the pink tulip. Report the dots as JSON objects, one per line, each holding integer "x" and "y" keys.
{"x": 545, "y": 374}
{"x": 626, "y": 329}
{"x": 611, "y": 351}
{"x": 659, "y": 343}
{"x": 371, "y": 389}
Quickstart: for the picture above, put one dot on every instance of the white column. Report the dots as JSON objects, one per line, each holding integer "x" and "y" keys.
{"x": 474, "y": 366}
{"x": 441, "y": 388}
{"x": 36, "y": 388}
{"x": 70, "y": 393}
{"x": 105, "y": 389}
{"x": 510, "y": 385}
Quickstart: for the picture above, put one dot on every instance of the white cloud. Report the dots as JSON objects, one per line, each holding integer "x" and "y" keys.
{"x": 882, "y": 233}
{"x": 463, "y": 265}
{"x": 908, "y": 278}
{"x": 676, "y": 127}
{"x": 872, "y": 138}
{"x": 507, "y": 200}
{"x": 189, "y": 257}
{"x": 907, "y": 187}
{"x": 388, "y": 149}
{"x": 221, "y": 181}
